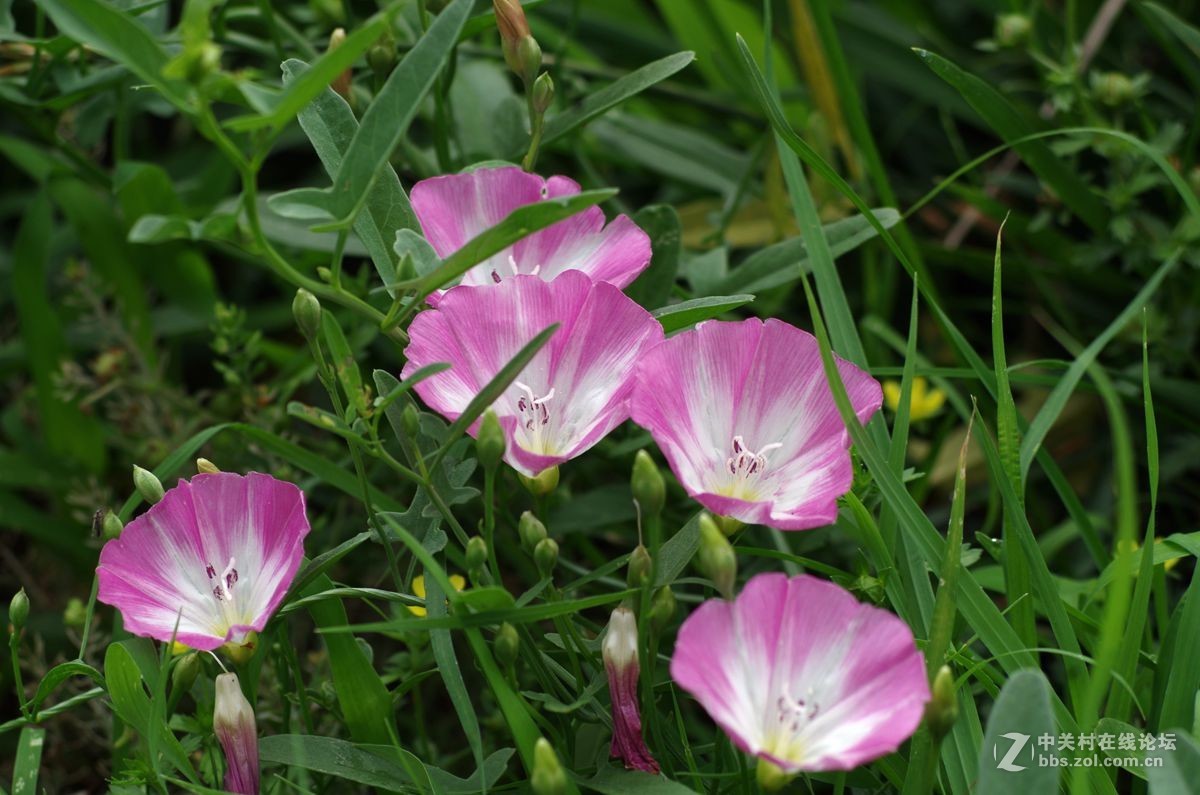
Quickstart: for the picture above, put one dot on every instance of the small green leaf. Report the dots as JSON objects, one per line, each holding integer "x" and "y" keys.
{"x": 689, "y": 313}
{"x": 28, "y": 760}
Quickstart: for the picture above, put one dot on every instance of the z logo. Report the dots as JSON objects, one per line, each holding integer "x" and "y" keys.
{"x": 1018, "y": 743}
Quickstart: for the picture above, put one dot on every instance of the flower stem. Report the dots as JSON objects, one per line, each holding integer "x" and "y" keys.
{"x": 537, "y": 122}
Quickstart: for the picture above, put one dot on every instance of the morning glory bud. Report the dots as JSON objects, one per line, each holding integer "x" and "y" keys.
{"x": 410, "y": 420}
{"x": 649, "y": 488}
{"x": 1012, "y": 29}
{"x": 521, "y": 50}
{"x": 545, "y": 555}
{"x": 206, "y": 467}
{"x": 543, "y": 92}
{"x": 382, "y": 57}
{"x": 531, "y": 530}
{"x": 75, "y": 614}
{"x": 341, "y": 83}
{"x": 112, "y": 526}
{"x": 490, "y": 443}
{"x": 662, "y": 608}
{"x": 18, "y": 610}
{"x": 233, "y": 723}
{"x": 1113, "y": 88}
{"x": 147, "y": 485}
{"x": 508, "y": 644}
{"x": 716, "y": 558}
{"x": 640, "y": 568}
{"x": 543, "y": 483}
{"x": 185, "y": 672}
{"x": 942, "y": 709}
{"x": 548, "y": 777}
{"x": 620, "y": 652}
{"x": 477, "y": 552}
{"x": 306, "y": 309}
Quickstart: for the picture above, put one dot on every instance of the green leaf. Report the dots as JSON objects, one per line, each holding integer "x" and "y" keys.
{"x": 365, "y": 701}
{"x": 316, "y": 78}
{"x": 114, "y": 34}
{"x": 28, "y": 760}
{"x": 677, "y": 552}
{"x": 1187, "y": 34}
{"x": 518, "y": 224}
{"x": 783, "y": 262}
{"x": 653, "y": 286}
{"x": 59, "y": 674}
{"x": 1021, "y": 715}
{"x": 123, "y": 679}
{"x": 611, "y": 780}
{"x": 69, "y": 432}
{"x": 330, "y": 125}
{"x": 689, "y": 313}
{"x": 1180, "y": 769}
{"x": 333, "y": 757}
{"x": 1004, "y": 119}
{"x": 385, "y": 122}
{"x": 610, "y": 96}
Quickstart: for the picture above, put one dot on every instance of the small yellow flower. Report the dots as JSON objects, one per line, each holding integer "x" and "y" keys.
{"x": 418, "y": 586}
{"x": 924, "y": 402}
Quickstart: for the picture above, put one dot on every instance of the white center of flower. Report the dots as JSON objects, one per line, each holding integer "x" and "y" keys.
{"x": 534, "y": 415}
{"x": 516, "y": 269}
{"x": 744, "y": 469}
{"x": 223, "y": 592}
{"x": 792, "y": 716}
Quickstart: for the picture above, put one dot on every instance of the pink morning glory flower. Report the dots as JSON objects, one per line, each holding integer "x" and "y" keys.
{"x": 801, "y": 674}
{"x": 573, "y": 392}
{"x": 745, "y": 417}
{"x": 620, "y": 653}
{"x": 216, "y": 554}
{"x": 453, "y": 209}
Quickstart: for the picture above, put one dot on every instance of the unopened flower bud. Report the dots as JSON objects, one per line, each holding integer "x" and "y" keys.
{"x": 662, "y": 608}
{"x": 18, "y": 610}
{"x": 1012, "y": 29}
{"x": 641, "y": 567}
{"x": 531, "y": 530}
{"x": 206, "y": 467}
{"x": 543, "y": 92}
{"x": 233, "y": 723}
{"x": 306, "y": 309}
{"x": 521, "y": 50}
{"x": 543, "y": 483}
{"x": 545, "y": 555}
{"x": 620, "y": 652}
{"x": 382, "y": 57}
{"x": 490, "y": 443}
{"x": 477, "y": 552}
{"x": 75, "y": 614}
{"x": 185, "y": 672}
{"x": 147, "y": 484}
{"x": 716, "y": 557}
{"x": 548, "y": 777}
{"x": 508, "y": 644}
{"x": 649, "y": 488}
{"x": 1113, "y": 88}
{"x": 113, "y": 526}
{"x": 410, "y": 420}
{"x": 942, "y": 709}
{"x": 341, "y": 83}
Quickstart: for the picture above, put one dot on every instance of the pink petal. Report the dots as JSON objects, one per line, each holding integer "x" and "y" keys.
{"x": 799, "y": 672}
{"x": 763, "y": 385}
{"x": 158, "y": 567}
{"x": 587, "y": 366}
{"x": 453, "y": 209}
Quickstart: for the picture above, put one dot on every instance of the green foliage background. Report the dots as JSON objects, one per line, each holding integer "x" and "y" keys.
{"x": 161, "y": 185}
